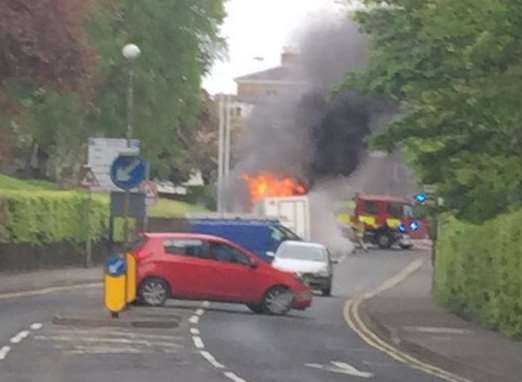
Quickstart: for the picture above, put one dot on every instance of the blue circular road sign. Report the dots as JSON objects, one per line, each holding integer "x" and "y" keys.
{"x": 115, "y": 266}
{"x": 127, "y": 171}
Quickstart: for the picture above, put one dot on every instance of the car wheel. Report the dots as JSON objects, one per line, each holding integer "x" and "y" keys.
{"x": 154, "y": 292}
{"x": 384, "y": 241}
{"x": 278, "y": 301}
{"x": 327, "y": 292}
{"x": 256, "y": 308}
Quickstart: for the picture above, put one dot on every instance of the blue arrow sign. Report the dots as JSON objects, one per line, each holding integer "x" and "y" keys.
{"x": 115, "y": 266}
{"x": 127, "y": 171}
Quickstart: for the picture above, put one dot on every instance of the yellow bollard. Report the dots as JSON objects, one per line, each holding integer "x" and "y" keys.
{"x": 115, "y": 282}
{"x": 131, "y": 278}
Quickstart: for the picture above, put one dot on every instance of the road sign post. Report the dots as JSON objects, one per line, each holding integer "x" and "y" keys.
{"x": 127, "y": 172}
{"x": 89, "y": 181}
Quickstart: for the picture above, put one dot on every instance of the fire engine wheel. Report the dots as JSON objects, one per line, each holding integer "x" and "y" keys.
{"x": 384, "y": 241}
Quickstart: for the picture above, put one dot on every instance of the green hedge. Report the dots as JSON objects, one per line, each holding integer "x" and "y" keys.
{"x": 42, "y": 217}
{"x": 478, "y": 271}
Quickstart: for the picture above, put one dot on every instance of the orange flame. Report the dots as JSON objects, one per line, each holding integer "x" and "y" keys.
{"x": 266, "y": 185}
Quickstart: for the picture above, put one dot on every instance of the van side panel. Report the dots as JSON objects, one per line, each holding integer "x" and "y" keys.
{"x": 256, "y": 238}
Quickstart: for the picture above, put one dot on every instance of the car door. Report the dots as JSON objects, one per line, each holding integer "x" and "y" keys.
{"x": 235, "y": 279}
{"x": 189, "y": 267}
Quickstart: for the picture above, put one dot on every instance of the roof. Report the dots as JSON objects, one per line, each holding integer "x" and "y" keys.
{"x": 285, "y": 73}
{"x": 304, "y": 244}
{"x": 180, "y": 235}
{"x": 385, "y": 198}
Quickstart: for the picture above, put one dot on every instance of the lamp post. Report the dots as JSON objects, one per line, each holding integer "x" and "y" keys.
{"x": 131, "y": 52}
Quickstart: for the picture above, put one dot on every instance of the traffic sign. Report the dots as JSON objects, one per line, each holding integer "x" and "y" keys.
{"x": 150, "y": 189}
{"x": 115, "y": 266}
{"x": 128, "y": 171}
{"x": 88, "y": 179}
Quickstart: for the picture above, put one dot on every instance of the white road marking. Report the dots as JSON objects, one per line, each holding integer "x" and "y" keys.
{"x": 350, "y": 370}
{"x": 341, "y": 368}
{"x": 36, "y": 326}
{"x": 194, "y": 319}
{"x": 194, "y": 331}
{"x": 205, "y": 304}
{"x": 198, "y": 342}
{"x": 105, "y": 350}
{"x": 117, "y": 334}
{"x": 210, "y": 358}
{"x": 200, "y": 312}
{"x": 436, "y": 330}
{"x": 19, "y": 337}
{"x": 3, "y": 352}
{"x": 233, "y": 377}
{"x": 48, "y": 290}
{"x": 107, "y": 340}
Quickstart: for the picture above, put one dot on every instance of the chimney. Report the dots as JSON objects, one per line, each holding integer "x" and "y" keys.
{"x": 289, "y": 57}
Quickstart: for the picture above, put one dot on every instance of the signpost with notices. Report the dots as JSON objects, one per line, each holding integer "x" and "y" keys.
{"x": 89, "y": 181}
{"x": 101, "y": 154}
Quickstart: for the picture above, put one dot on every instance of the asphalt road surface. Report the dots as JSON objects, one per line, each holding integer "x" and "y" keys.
{"x": 214, "y": 342}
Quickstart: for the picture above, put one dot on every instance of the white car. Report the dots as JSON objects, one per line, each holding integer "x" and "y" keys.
{"x": 311, "y": 261}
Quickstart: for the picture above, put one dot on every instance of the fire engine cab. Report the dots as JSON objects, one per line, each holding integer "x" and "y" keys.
{"x": 387, "y": 220}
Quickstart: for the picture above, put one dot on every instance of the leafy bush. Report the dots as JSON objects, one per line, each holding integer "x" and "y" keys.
{"x": 478, "y": 271}
{"x": 43, "y": 217}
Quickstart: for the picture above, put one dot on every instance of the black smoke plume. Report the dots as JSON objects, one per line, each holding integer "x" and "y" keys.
{"x": 309, "y": 132}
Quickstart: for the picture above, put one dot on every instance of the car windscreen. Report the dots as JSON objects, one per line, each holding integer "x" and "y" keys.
{"x": 281, "y": 233}
{"x": 302, "y": 253}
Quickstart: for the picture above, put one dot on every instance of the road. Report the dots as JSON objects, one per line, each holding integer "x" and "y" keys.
{"x": 215, "y": 342}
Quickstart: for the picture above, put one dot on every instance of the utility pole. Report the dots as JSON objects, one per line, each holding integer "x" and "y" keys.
{"x": 221, "y": 152}
{"x": 228, "y": 132}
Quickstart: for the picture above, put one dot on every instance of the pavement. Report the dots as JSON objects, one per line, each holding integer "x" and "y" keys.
{"x": 408, "y": 317}
{"x": 14, "y": 282}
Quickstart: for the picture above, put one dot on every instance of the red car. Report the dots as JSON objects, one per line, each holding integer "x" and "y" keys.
{"x": 201, "y": 267}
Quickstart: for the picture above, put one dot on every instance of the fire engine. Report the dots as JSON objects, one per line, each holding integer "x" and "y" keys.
{"x": 387, "y": 220}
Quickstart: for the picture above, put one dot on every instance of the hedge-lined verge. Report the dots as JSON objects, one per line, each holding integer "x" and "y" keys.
{"x": 44, "y": 217}
{"x": 479, "y": 271}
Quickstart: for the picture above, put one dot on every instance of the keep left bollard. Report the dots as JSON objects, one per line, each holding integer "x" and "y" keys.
{"x": 131, "y": 276}
{"x": 115, "y": 285}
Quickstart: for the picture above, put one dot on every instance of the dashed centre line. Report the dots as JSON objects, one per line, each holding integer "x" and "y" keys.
{"x": 36, "y": 326}
{"x": 198, "y": 342}
{"x": 210, "y": 358}
{"x": 19, "y": 337}
{"x": 3, "y": 351}
{"x": 194, "y": 319}
{"x": 233, "y": 376}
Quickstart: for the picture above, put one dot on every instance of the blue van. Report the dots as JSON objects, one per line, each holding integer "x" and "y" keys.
{"x": 259, "y": 236}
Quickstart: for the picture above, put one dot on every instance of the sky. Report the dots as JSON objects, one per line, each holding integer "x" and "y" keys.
{"x": 260, "y": 29}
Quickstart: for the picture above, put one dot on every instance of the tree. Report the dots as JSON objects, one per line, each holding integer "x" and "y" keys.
{"x": 179, "y": 40}
{"x": 454, "y": 68}
{"x": 43, "y": 42}
{"x": 62, "y": 71}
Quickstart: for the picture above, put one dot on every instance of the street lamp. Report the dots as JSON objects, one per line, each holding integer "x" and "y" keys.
{"x": 131, "y": 52}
